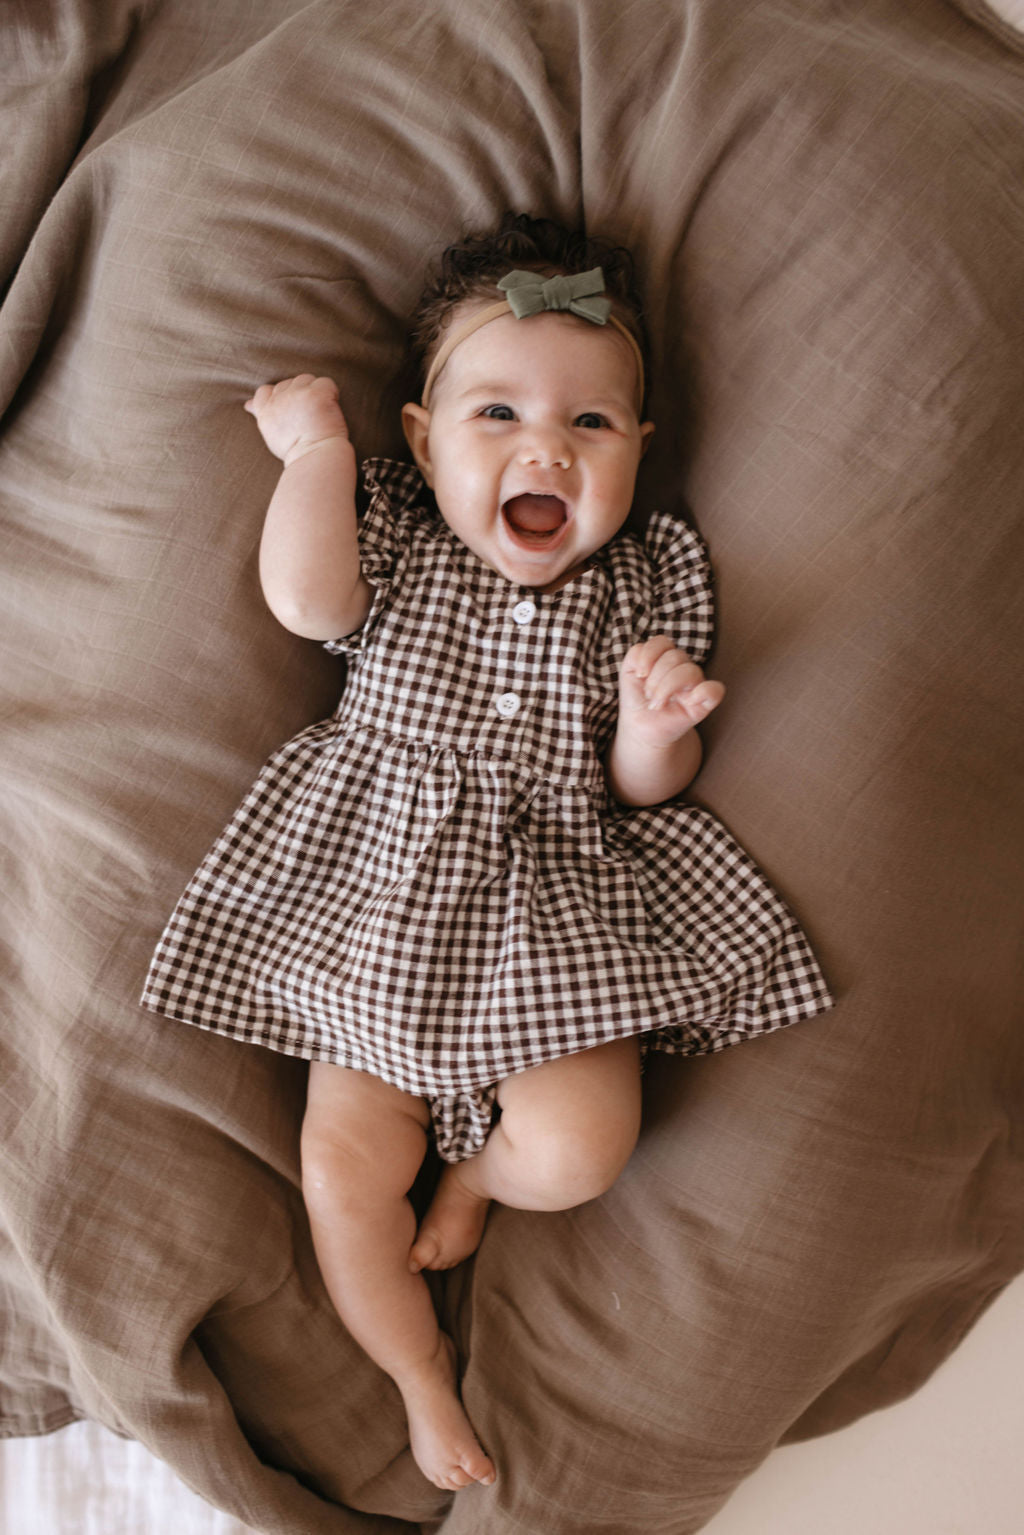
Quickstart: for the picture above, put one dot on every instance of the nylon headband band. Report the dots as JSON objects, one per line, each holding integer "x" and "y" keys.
{"x": 494, "y": 312}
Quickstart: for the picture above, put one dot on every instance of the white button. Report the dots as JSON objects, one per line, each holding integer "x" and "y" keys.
{"x": 524, "y": 611}
{"x": 508, "y": 704}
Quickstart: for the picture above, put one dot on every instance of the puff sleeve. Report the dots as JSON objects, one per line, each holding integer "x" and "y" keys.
{"x": 679, "y": 593}
{"x": 395, "y": 505}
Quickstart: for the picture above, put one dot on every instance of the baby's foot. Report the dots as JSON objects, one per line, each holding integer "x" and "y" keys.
{"x": 452, "y": 1226}
{"x": 443, "y": 1443}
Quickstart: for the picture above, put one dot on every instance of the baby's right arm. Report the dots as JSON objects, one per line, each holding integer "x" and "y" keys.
{"x": 309, "y": 552}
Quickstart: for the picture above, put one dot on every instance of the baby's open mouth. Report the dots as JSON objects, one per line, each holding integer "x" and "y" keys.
{"x": 533, "y": 518}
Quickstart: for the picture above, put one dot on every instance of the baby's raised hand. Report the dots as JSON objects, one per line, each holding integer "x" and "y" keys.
{"x": 297, "y": 415}
{"x": 662, "y": 693}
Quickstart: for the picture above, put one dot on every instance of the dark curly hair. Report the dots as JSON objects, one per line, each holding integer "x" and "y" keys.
{"x": 471, "y": 270}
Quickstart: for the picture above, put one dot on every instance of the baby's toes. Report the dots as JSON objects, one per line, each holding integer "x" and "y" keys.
{"x": 454, "y": 1480}
{"x": 465, "y": 1475}
{"x": 478, "y": 1467}
{"x": 472, "y": 1466}
{"x": 424, "y": 1252}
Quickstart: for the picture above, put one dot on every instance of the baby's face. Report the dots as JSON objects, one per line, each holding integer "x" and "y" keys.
{"x": 532, "y": 442}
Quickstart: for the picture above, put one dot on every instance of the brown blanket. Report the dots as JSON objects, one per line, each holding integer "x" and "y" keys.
{"x": 826, "y": 203}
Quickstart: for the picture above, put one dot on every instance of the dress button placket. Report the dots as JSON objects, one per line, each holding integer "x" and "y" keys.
{"x": 523, "y": 613}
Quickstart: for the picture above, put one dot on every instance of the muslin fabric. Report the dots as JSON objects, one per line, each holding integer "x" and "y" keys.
{"x": 823, "y": 204}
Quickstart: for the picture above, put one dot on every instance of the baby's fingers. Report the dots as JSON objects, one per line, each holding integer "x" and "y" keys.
{"x": 642, "y": 658}
{"x": 675, "y": 679}
{"x": 272, "y": 394}
{"x": 257, "y": 401}
{"x": 672, "y": 673}
{"x": 291, "y": 388}
{"x": 696, "y": 702}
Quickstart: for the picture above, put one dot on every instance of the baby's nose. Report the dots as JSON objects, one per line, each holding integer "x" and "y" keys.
{"x": 547, "y": 447}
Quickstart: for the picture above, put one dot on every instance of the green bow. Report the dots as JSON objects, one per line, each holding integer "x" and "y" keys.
{"x": 582, "y": 294}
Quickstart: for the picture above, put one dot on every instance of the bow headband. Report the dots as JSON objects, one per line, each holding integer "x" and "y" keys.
{"x": 527, "y": 293}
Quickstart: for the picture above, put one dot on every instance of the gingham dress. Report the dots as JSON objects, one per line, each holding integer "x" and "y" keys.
{"x": 434, "y": 884}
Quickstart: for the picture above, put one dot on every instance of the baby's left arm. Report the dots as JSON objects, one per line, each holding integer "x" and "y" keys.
{"x": 656, "y": 750}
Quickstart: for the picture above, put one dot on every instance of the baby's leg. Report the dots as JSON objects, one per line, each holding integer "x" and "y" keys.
{"x": 566, "y": 1131}
{"x": 362, "y": 1144}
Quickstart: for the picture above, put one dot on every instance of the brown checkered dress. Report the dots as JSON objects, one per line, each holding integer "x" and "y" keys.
{"x": 434, "y": 885}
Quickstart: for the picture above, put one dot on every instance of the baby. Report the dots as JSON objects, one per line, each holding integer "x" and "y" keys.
{"x": 471, "y": 898}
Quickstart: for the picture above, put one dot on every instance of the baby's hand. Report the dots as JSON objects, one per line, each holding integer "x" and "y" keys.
{"x": 297, "y": 415}
{"x": 662, "y": 693}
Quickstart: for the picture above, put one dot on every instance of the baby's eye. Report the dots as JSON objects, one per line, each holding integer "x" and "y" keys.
{"x": 498, "y": 413}
{"x": 591, "y": 420}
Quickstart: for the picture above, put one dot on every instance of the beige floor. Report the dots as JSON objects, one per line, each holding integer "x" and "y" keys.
{"x": 947, "y": 1462}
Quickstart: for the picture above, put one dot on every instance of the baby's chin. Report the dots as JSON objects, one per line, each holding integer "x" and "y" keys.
{"x": 546, "y": 576}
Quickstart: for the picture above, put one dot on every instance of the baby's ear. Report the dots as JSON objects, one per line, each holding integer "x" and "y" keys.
{"x": 646, "y": 433}
{"x": 416, "y": 426}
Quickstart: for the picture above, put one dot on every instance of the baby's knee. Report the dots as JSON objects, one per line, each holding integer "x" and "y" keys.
{"x": 569, "y": 1165}
{"x": 329, "y": 1155}
{"x": 361, "y": 1139}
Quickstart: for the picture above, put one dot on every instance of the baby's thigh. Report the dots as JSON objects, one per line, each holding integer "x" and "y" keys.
{"x": 360, "y": 1134}
{"x": 580, "y": 1108}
